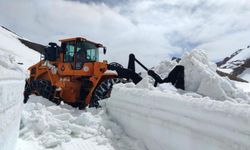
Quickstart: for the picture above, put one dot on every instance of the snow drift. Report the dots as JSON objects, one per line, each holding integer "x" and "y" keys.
{"x": 201, "y": 77}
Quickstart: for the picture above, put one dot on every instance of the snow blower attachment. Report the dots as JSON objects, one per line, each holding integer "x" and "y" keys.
{"x": 73, "y": 73}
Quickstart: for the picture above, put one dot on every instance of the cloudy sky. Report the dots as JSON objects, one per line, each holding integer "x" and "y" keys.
{"x": 152, "y": 29}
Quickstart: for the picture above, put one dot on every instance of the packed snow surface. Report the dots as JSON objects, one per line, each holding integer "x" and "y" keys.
{"x": 47, "y": 126}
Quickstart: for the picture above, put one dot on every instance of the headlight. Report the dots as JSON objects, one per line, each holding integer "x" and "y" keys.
{"x": 85, "y": 68}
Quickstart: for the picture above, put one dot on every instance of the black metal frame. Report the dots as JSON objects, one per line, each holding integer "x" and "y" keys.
{"x": 176, "y": 76}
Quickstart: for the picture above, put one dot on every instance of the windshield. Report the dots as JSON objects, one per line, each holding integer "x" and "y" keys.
{"x": 79, "y": 52}
{"x": 87, "y": 51}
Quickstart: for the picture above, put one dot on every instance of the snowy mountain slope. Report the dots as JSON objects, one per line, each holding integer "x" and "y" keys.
{"x": 11, "y": 86}
{"x": 237, "y": 63}
{"x": 245, "y": 74}
{"x": 244, "y": 54}
{"x": 11, "y": 46}
{"x": 226, "y": 59}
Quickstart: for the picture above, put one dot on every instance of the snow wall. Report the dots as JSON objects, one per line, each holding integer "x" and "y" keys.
{"x": 165, "y": 121}
{"x": 11, "y": 97}
{"x": 12, "y": 78}
{"x": 10, "y": 112}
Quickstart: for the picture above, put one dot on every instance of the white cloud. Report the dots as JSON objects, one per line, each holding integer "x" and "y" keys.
{"x": 153, "y": 30}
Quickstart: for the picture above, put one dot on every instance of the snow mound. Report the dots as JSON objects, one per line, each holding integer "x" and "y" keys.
{"x": 165, "y": 67}
{"x": 201, "y": 77}
{"x": 52, "y": 126}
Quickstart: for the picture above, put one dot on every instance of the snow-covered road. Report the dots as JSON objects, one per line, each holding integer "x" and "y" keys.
{"x": 47, "y": 126}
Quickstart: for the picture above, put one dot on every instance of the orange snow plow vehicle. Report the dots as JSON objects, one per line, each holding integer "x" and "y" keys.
{"x": 73, "y": 73}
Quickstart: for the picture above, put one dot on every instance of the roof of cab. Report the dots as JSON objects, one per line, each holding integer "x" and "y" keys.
{"x": 81, "y": 39}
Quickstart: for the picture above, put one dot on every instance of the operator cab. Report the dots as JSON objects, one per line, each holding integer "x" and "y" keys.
{"x": 78, "y": 51}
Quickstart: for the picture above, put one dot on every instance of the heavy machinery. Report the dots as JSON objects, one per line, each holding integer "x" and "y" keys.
{"x": 73, "y": 73}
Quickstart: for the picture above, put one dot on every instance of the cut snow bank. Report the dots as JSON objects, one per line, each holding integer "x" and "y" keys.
{"x": 10, "y": 111}
{"x": 12, "y": 78}
{"x": 168, "y": 120}
{"x": 11, "y": 89}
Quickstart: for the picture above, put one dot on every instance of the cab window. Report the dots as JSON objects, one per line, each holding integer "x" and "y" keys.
{"x": 88, "y": 50}
{"x": 69, "y": 53}
{"x": 92, "y": 55}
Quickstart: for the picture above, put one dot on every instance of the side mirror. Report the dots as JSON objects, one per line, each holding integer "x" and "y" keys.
{"x": 104, "y": 50}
